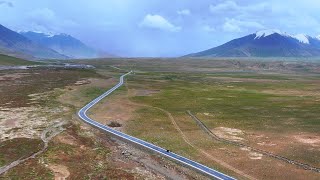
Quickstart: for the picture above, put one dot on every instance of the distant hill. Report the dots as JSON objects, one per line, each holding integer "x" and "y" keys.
{"x": 13, "y": 61}
{"x": 266, "y": 43}
{"x": 64, "y": 44}
{"x": 14, "y": 44}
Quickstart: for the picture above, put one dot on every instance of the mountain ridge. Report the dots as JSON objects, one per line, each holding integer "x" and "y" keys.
{"x": 266, "y": 43}
{"x": 14, "y": 44}
{"x": 62, "y": 43}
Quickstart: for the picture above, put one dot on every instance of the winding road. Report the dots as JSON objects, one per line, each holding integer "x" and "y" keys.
{"x": 187, "y": 162}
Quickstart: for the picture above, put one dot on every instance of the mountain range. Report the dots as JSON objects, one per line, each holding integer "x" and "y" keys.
{"x": 37, "y": 45}
{"x": 266, "y": 43}
{"x": 63, "y": 44}
{"x": 15, "y": 44}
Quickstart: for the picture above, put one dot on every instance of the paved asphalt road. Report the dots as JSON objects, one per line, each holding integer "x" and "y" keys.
{"x": 82, "y": 114}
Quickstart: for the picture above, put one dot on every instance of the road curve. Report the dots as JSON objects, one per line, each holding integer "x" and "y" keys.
{"x": 187, "y": 162}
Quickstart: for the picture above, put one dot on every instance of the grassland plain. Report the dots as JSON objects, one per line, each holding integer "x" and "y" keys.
{"x": 79, "y": 152}
{"x": 269, "y": 105}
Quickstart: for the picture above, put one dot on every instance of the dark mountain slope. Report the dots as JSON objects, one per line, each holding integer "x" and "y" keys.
{"x": 13, "y": 43}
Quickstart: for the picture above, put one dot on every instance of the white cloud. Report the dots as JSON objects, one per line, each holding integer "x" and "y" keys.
{"x": 46, "y": 20}
{"x": 7, "y": 3}
{"x": 184, "y": 12}
{"x": 233, "y": 25}
{"x": 208, "y": 28}
{"x": 231, "y": 7}
{"x": 229, "y": 27}
{"x": 44, "y": 14}
{"x": 158, "y": 22}
{"x": 225, "y": 6}
{"x": 250, "y": 16}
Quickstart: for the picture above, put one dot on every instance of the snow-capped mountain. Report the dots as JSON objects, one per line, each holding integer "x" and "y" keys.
{"x": 266, "y": 43}
{"x": 62, "y": 43}
{"x": 14, "y": 44}
{"x": 268, "y": 32}
{"x": 300, "y": 37}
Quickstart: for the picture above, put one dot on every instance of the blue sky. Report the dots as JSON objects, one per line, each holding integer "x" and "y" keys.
{"x": 160, "y": 27}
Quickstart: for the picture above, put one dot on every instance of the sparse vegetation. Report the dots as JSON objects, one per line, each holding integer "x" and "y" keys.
{"x": 114, "y": 124}
{"x": 18, "y": 148}
{"x": 12, "y": 61}
{"x": 17, "y": 87}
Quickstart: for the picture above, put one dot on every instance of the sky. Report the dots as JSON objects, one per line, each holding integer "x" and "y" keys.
{"x": 159, "y": 28}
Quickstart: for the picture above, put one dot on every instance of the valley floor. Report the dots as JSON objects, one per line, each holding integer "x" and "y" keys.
{"x": 272, "y": 106}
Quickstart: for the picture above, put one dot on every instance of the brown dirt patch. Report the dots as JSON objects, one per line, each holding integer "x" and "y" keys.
{"x": 251, "y": 154}
{"x": 229, "y": 133}
{"x": 21, "y": 122}
{"x": 82, "y": 82}
{"x": 284, "y": 142}
{"x": 309, "y": 139}
{"x": 117, "y": 108}
{"x": 60, "y": 171}
{"x": 101, "y": 82}
{"x": 67, "y": 139}
{"x": 10, "y": 123}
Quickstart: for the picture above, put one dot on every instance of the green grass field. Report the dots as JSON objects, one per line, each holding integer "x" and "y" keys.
{"x": 247, "y": 105}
